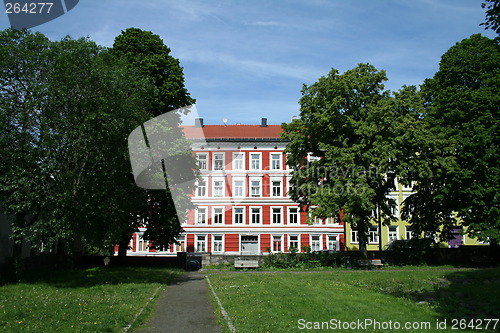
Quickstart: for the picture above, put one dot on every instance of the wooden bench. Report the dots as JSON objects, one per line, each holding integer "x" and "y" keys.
{"x": 241, "y": 263}
{"x": 370, "y": 262}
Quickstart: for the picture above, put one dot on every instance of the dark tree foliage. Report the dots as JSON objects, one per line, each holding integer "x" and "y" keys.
{"x": 358, "y": 132}
{"x": 66, "y": 114}
{"x": 457, "y": 173}
{"x": 492, "y": 15}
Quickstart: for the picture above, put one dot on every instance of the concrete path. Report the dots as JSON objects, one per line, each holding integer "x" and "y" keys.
{"x": 184, "y": 307}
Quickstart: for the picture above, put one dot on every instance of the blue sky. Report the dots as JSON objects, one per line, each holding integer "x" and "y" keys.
{"x": 245, "y": 60}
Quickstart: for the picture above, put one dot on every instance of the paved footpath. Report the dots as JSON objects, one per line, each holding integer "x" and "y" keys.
{"x": 184, "y": 307}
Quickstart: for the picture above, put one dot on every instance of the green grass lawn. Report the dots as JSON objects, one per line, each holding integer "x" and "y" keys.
{"x": 92, "y": 300}
{"x": 288, "y": 301}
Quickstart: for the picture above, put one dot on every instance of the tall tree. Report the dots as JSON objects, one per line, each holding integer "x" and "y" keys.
{"x": 492, "y": 15}
{"x": 68, "y": 113}
{"x": 145, "y": 52}
{"x": 352, "y": 125}
{"x": 459, "y": 174}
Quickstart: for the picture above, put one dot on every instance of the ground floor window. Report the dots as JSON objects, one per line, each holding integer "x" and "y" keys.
{"x": 277, "y": 243}
{"x": 393, "y": 233}
{"x": 201, "y": 243}
{"x": 293, "y": 242}
{"x": 373, "y": 235}
{"x": 218, "y": 244}
{"x": 315, "y": 242}
{"x": 332, "y": 242}
{"x": 354, "y": 236}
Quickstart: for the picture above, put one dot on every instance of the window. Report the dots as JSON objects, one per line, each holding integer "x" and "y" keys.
{"x": 238, "y": 161}
{"x": 255, "y": 188}
{"x": 142, "y": 244}
{"x": 354, "y": 236}
{"x": 202, "y": 188}
{"x": 276, "y": 215}
{"x": 218, "y": 243}
{"x": 276, "y": 188}
{"x": 218, "y": 215}
{"x": 254, "y": 161}
{"x": 201, "y": 242}
{"x": 255, "y": 215}
{"x": 218, "y": 187}
{"x": 332, "y": 242}
{"x": 293, "y": 215}
{"x": 181, "y": 244}
{"x": 409, "y": 232}
{"x": 315, "y": 242}
{"x": 291, "y": 187}
{"x": 312, "y": 158}
{"x": 219, "y": 161}
{"x": 238, "y": 215}
{"x": 293, "y": 242}
{"x": 373, "y": 235}
{"x": 277, "y": 242}
{"x": 393, "y": 233}
{"x": 238, "y": 188}
{"x": 202, "y": 161}
{"x": 201, "y": 215}
{"x": 275, "y": 161}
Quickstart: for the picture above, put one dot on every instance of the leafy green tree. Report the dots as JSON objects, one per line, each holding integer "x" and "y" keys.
{"x": 68, "y": 111}
{"x": 146, "y": 53}
{"x": 492, "y": 15}
{"x": 356, "y": 129}
{"x": 457, "y": 172}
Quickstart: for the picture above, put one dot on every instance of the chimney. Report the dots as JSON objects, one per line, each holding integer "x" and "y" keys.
{"x": 264, "y": 122}
{"x": 198, "y": 122}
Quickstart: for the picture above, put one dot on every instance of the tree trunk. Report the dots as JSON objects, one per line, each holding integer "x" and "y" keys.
{"x": 123, "y": 246}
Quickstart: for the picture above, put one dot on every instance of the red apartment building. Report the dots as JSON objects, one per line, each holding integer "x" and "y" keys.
{"x": 241, "y": 202}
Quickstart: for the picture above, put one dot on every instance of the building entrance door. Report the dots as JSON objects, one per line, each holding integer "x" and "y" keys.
{"x": 249, "y": 245}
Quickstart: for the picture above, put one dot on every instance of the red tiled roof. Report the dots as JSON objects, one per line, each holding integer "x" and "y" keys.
{"x": 234, "y": 132}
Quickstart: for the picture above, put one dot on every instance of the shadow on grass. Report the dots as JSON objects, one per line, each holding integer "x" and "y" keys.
{"x": 82, "y": 278}
{"x": 469, "y": 294}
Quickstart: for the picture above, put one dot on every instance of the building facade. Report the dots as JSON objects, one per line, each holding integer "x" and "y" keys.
{"x": 242, "y": 207}
{"x": 241, "y": 202}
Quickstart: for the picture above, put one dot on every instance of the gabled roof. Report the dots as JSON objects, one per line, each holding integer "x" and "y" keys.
{"x": 234, "y": 132}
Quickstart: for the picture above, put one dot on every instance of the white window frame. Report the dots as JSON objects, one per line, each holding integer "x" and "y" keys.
{"x": 197, "y": 212}
{"x": 298, "y": 242}
{"x": 278, "y": 160}
{"x": 198, "y": 243}
{"x": 279, "y": 187}
{"x": 219, "y": 242}
{"x": 242, "y": 213}
{"x": 354, "y": 236}
{"x": 408, "y": 232}
{"x": 252, "y": 214}
{"x": 218, "y": 179}
{"x": 320, "y": 245}
{"x": 222, "y": 215}
{"x": 198, "y": 187}
{"x": 214, "y": 160}
{"x": 239, "y": 179}
{"x": 297, "y": 214}
{"x": 389, "y": 232}
{"x": 201, "y": 167}
{"x": 312, "y": 158}
{"x": 252, "y": 187}
{"x": 280, "y": 214}
{"x": 373, "y": 234}
{"x": 237, "y": 161}
{"x": 259, "y": 161}
{"x": 332, "y": 240}
{"x": 281, "y": 243}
